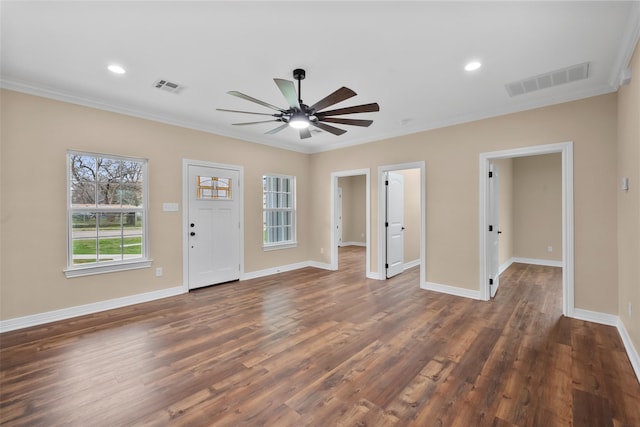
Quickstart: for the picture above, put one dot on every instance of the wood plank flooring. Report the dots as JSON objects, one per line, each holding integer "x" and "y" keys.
{"x": 321, "y": 348}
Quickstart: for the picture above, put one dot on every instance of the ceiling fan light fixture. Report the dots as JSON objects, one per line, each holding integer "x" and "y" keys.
{"x": 116, "y": 69}
{"x": 473, "y": 66}
{"x": 299, "y": 121}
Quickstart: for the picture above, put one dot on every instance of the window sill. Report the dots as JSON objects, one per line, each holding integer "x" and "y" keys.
{"x": 277, "y": 246}
{"x": 109, "y": 268}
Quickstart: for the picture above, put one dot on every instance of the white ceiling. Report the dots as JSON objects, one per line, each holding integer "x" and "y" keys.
{"x": 407, "y": 56}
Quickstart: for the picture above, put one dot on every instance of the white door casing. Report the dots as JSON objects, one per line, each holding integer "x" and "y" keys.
{"x": 493, "y": 230}
{"x": 395, "y": 224}
{"x": 339, "y": 216}
{"x": 568, "y": 252}
{"x": 213, "y": 232}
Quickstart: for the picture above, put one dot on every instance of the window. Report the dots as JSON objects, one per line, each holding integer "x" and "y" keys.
{"x": 279, "y": 211}
{"x": 213, "y": 188}
{"x": 107, "y": 217}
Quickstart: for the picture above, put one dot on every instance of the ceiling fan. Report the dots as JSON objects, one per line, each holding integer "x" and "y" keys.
{"x": 301, "y": 116}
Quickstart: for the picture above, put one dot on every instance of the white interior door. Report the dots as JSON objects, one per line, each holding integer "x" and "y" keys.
{"x": 395, "y": 224}
{"x": 339, "y": 217}
{"x": 213, "y": 226}
{"x": 493, "y": 236}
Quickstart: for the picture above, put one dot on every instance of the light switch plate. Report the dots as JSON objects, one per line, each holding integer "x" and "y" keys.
{"x": 170, "y": 207}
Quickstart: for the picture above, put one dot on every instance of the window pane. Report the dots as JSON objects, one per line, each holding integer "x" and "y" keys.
{"x": 83, "y": 237}
{"x": 213, "y": 188}
{"x": 132, "y": 235}
{"x": 109, "y": 194}
{"x": 110, "y": 236}
{"x": 83, "y": 194}
{"x": 131, "y": 194}
{"x": 83, "y": 168}
{"x": 108, "y": 170}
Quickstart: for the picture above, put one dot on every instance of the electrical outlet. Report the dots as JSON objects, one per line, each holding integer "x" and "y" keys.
{"x": 630, "y": 310}
{"x": 321, "y": 251}
{"x": 549, "y": 248}
{"x": 158, "y": 271}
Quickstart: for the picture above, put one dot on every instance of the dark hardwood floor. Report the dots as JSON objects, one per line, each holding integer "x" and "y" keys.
{"x": 321, "y": 348}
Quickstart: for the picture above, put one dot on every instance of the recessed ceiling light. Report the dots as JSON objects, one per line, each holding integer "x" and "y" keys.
{"x": 116, "y": 69}
{"x": 472, "y": 66}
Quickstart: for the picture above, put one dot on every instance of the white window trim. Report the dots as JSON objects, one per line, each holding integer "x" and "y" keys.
{"x": 108, "y": 267}
{"x": 293, "y": 243}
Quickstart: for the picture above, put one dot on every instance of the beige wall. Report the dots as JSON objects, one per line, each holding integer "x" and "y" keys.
{"x": 629, "y": 201}
{"x": 36, "y": 133}
{"x": 354, "y": 214}
{"x": 537, "y": 206}
{"x": 452, "y": 206}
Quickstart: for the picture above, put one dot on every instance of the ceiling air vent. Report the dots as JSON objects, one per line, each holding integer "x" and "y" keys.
{"x": 546, "y": 80}
{"x": 168, "y": 86}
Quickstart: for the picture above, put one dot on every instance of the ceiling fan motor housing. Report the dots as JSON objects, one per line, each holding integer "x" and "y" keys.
{"x": 299, "y": 74}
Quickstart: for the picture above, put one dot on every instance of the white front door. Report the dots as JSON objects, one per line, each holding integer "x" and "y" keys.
{"x": 395, "y": 224}
{"x": 493, "y": 233}
{"x": 213, "y": 226}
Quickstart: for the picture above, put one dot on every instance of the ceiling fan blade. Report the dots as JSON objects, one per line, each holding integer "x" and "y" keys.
{"x": 288, "y": 89}
{"x": 330, "y": 129}
{"x": 252, "y": 99}
{"x": 276, "y": 130}
{"x": 305, "y": 133}
{"x": 352, "y": 122}
{"x": 337, "y": 96}
{"x": 245, "y": 112}
{"x": 254, "y": 123}
{"x": 365, "y": 108}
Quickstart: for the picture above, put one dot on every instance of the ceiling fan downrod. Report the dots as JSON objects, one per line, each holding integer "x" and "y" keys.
{"x": 299, "y": 74}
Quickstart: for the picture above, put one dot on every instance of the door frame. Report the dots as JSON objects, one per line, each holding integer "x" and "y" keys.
{"x": 185, "y": 212}
{"x": 566, "y": 150}
{"x": 334, "y": 194}
{"x": 382, "y": 247}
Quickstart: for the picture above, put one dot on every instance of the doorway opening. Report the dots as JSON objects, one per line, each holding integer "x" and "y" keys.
{"x": 414, "y": 216}
{"x": 350, "y": 213}
{"x": 488, "y": 232}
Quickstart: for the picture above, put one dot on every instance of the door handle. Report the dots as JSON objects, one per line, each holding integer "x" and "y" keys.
{"x": 193, "y": 233}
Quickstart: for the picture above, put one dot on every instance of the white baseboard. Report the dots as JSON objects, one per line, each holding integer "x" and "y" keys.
{"x": 634, "y": 357}
{"x": 276, "y": 270}
{"x": 363, "y": 244}
{"x": 504, "y": 266}
{"x": 534, "y": 261}
{"x": 411, "y": 264}
{"x": 451, "y": 290}
{"x": 595, "y": 317}
{"x": 81, "y": 310}
{"x": 321, "y": 265}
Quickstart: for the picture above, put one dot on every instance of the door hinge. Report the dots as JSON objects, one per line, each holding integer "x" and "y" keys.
{"x": 490, "y": 174}
{"x": 386, "y": 266}
{"x": 386, "y": 182}
{"x": 490, "y": 281}
{"x": 386, "y": 224}
{"x": 491, "y": 228}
